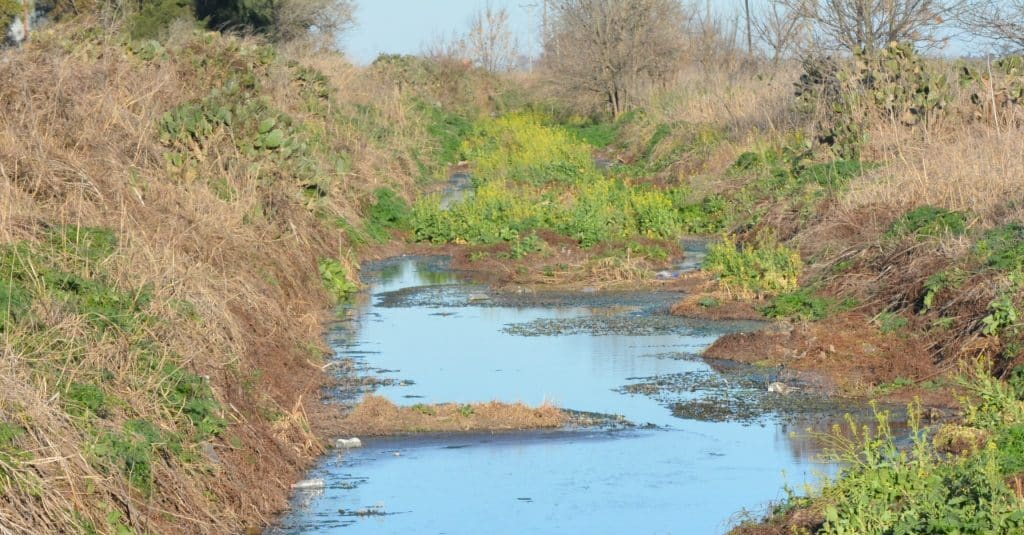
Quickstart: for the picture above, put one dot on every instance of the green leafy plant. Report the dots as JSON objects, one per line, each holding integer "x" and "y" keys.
{"x": 336, "y": 279}
{"x": 928, "y": 221}
{"x": 761, "y": 268}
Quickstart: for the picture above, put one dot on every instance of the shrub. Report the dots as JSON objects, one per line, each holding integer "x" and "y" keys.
{"x": 1010, "y": 444}
{"x": 762, "y": 268}
{"x": 154, "y": 17}
{"x": 655, "y": 214}
{"x": 709, "y": 215}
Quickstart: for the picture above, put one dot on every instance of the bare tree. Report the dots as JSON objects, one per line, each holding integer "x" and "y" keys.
{"x": 613, "y": 48}
{"x": 490, "y": 42}
{"x": 999, "y": 21}
{"x": 872, "y": 24}
{"x": 712, "y": 39}
{"x": 779, "y": 30}
{"x": 293, "y": 19}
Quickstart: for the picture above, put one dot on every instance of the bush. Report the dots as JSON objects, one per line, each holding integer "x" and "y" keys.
{"x": 883, "y": 488}
{"x": 155, "y": 16}
{"x": 761, "y": 268}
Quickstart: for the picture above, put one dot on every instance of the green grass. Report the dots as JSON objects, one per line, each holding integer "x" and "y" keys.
{"x": 804, "y": 304}
{"x": 67, "y": 267}
{"x": 596, "y": 134}
{"x": 928, "y": 222}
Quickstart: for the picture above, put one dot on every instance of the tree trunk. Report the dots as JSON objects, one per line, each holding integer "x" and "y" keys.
{"x": 26, "y": 19}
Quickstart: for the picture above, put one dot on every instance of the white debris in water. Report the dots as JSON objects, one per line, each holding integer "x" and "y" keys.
{"x": 348, "y": 443}
{"x": 781, "y": 388}
{"x": 309, "y": 484}
{"x": 479, "y": 297}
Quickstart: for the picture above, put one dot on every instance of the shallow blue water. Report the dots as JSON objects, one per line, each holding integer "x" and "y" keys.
{"x": 682, "y": 476}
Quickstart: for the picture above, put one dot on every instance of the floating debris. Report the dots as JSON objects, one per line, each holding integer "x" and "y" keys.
{"x": 348, "y": 443}
{"x": 309, "y": 484}
{"x": 782, "y": 388}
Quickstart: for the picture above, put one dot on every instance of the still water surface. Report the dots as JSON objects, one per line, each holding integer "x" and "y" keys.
{"x": 438, "y": 339}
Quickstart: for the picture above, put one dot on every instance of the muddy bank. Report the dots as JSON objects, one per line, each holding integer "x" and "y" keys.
{"x": 845, "y": 356}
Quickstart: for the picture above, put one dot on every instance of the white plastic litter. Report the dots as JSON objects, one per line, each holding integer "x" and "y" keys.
{"x": 348, "y": 443}
{"x": 781, "y": 388}
{"x": 309, "y": 484}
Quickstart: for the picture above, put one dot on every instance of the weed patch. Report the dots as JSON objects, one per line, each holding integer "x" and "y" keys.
{"x": 928, "y": 222}
{"x": 762, "y": 268}
{"x": 805, "y": 305}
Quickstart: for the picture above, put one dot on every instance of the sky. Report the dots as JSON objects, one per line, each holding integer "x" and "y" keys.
{"x": 404, "y": 26}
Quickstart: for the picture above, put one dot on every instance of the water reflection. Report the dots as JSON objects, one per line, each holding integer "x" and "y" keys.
{"x": 685, "y": 476}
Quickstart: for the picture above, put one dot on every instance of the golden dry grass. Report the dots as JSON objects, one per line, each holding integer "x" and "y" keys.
{"x": 378, "y": 416}
{"x": 976, "y": 168}
{"x": 79, "y": 147}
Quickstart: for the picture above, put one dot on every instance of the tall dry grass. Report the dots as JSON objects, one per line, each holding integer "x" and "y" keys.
{"x": 976, "y": 168}
{"x": 79, "y": 147}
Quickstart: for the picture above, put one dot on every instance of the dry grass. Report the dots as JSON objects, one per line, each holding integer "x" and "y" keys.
{"x": 79, "y": 147}
{"x": 976, "y": 168}
{"x": 377, "y": 416}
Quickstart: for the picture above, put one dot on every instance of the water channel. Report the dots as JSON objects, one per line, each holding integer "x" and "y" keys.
{"x": 432, "y": 336}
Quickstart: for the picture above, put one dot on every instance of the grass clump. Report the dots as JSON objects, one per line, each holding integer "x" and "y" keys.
{"x": 928, "y": 222}
{"x": 389, "y": 212}
{"x": 804, "y": 304}
{"x": 10, "y": 454}
{"x": 762, "y": 268}
{"x": 1003, "y": 247}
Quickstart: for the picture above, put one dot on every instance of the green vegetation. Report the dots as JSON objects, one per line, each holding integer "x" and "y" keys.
{"x": 10, "y": 454}
{"x": 885, "y": 489}
{"x": 67, "y": 270}
{"x": 954, "y": 482}
{"x": 928, "y": 221}
{"x": 533, "y": 176}
{"x": 337, "y": 279}
{"x": 763, "y": 268}
{"x": 890, "y": 322}
{"x": 804, "y": 304}
{"x": 1003, "y": 247}
{"x": 389, "y": 212}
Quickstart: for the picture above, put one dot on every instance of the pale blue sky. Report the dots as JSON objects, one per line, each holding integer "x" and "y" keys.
{"x": 405, "y": 26}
